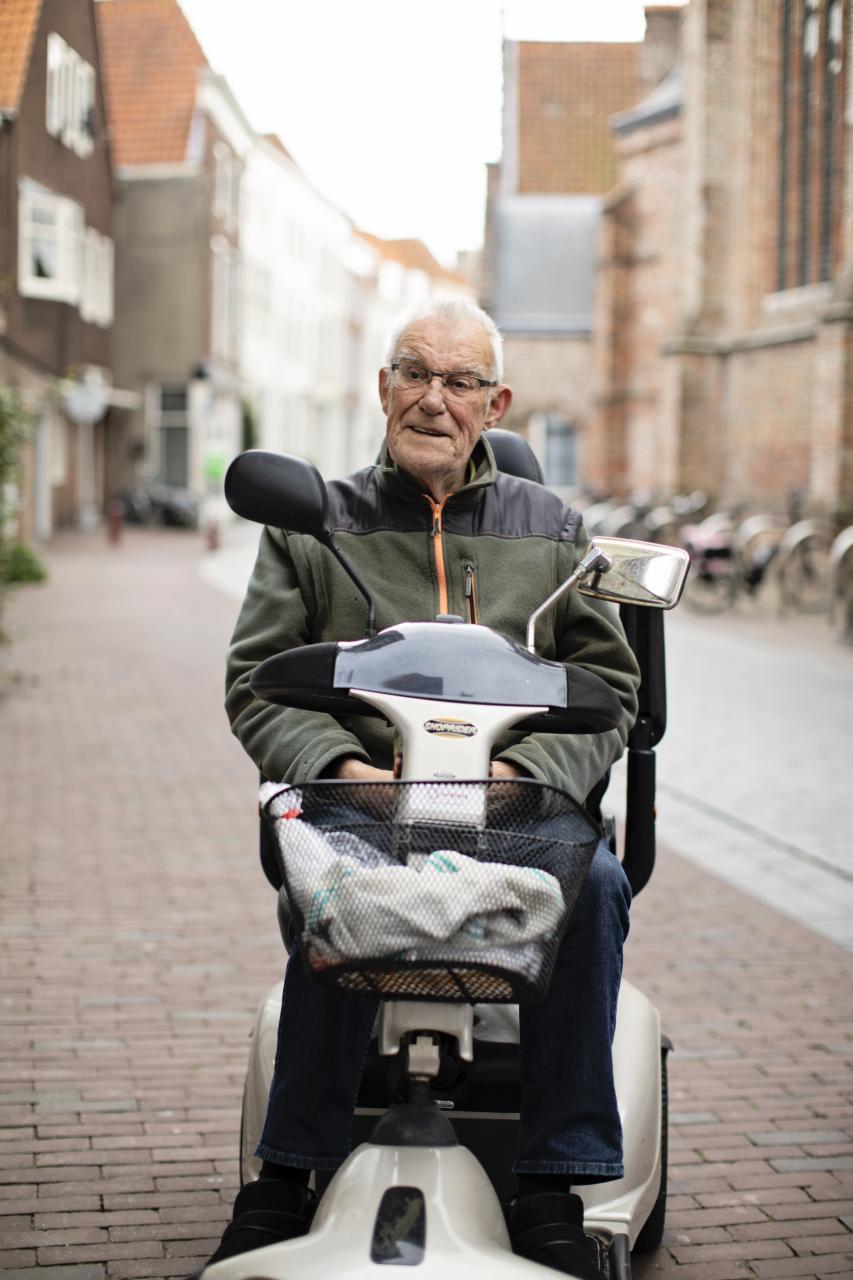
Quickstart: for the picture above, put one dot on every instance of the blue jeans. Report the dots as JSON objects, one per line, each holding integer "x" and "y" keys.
{"x": 569, "y": 1116}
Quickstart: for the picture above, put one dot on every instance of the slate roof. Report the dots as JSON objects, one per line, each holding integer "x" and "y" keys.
{"x": 663, "y": 103}
{"x": 18, "y": 24}
{"x": 150, "y": 60}
{"x": 545, "y": 256}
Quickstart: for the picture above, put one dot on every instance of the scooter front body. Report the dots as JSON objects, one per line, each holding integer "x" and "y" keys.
{"x": 380, "y": 1190}
{"x": 433, "y": 1208}
{"x": 620, "y": 1207}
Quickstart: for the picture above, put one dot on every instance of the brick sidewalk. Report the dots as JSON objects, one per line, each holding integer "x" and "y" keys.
{"x": 138, "y": 935}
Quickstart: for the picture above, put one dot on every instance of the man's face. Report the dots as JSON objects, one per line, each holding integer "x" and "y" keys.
{"x": 430, "y": 433}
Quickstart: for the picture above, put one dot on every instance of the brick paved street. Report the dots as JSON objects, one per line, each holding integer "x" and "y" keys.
{"x": 138, "y": 934}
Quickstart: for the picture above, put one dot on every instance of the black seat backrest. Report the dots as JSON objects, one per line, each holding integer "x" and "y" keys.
{"x": 514, "y": 455}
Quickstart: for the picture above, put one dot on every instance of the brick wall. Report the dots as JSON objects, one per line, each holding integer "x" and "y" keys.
{"x": 565, "y": 95}
{"x": 706, "y": 374}
{"x": 632, "y": 442}
{"x": 660, "y": 47}
{"x": 548, "y": 375}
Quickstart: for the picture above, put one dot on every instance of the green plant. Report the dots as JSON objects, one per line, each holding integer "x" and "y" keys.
{"x": 19, "y": 563}
{"x": 16, "y": 424}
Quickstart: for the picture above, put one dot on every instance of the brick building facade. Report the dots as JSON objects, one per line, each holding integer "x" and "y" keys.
{"x": 56, "y": 258}
{"x": 543, "y": 212}
{"x": 725, "y": 292}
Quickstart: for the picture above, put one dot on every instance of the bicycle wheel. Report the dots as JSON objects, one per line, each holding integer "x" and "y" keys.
{"x": 805, "y": 575}
{"x": 711, "y": 585}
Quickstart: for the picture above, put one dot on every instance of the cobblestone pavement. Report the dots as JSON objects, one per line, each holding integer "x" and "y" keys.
{"x": 756, "y": 763}
{"x": 138, "y": 934}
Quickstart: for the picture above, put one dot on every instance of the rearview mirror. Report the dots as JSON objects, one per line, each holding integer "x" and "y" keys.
{"x": 288, "y": 493}
{"x": 279, "y": 490}
{"x": 644, "y": 573}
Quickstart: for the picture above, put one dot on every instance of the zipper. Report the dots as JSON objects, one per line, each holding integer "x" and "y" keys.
{"x": 438, "y": 552}
{"x": 470, "y": 591}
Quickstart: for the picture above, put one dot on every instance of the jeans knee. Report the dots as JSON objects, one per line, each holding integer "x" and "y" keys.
{"x": 606, "y": 888}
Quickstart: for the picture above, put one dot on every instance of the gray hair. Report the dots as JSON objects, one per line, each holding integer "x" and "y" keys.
{"x": 451, "y": 310}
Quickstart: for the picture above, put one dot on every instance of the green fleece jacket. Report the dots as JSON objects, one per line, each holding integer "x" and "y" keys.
{"x": 497, "y": 549}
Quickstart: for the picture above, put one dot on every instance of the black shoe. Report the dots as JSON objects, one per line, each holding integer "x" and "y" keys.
{"x": 265, "y": 1212}
{"x": 548, "y": 1229}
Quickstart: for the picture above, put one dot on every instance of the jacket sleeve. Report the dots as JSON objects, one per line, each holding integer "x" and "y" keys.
{"x": 589, "y": 633}
{"x": 287, "y": 745}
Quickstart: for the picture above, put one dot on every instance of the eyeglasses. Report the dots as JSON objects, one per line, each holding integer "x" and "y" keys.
{"x": 408, "y": 374}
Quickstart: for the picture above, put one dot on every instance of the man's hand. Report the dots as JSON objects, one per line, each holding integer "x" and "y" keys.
{"x": 351, "y": 769}
{"x": 503, "y": 769}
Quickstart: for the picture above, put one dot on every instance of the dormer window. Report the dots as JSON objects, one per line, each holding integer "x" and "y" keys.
{"x": 70, "y": 100}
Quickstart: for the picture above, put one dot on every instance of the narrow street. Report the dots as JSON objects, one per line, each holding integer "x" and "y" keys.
{"x": 138, "y": 934}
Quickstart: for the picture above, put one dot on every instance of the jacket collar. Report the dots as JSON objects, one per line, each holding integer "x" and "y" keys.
{"x": 484, "y": 473}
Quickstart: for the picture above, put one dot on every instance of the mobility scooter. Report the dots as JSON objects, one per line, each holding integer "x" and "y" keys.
{"x": 437, "y": 1116}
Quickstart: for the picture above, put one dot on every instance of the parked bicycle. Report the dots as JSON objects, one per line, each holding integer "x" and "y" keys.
{"x": 639, "y": 518}
{"x": 841, "y": 571}
{"x": 732, "y": 559}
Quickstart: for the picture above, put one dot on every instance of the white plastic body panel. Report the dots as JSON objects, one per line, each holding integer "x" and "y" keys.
{"x": 446, "y": 755}
{"x": 466, "y": 1238}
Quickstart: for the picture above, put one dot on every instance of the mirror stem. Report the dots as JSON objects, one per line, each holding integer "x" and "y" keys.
{"x": 329, "y": 541}
{"x": 593, "y": 562}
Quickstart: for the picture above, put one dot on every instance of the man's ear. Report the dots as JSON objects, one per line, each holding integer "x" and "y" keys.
{"x": 383, "y": 389}
{"x": 498, "y": 405}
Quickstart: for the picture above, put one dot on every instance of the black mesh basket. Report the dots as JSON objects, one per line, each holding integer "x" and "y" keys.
{"x": 392, "y": 896}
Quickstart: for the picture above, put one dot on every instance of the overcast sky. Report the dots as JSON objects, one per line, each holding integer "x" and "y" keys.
{"x": 392, "y": 107}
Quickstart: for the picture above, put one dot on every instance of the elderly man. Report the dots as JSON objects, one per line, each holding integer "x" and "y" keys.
{"x": 434, "y": 528}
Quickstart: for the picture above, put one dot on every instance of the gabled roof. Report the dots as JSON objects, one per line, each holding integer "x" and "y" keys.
{"x": 150, "y": 60}
{"x": 18, "y": 23}
{"x": 275, "y": 141}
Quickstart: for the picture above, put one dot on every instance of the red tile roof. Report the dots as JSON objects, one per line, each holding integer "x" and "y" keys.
{"x": 18, "y": 22}
{"x": 150, "y": 60}
{"x": 414, "y": 255}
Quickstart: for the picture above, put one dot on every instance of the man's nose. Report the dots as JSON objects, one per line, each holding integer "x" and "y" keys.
{"x": 433, "y": 397}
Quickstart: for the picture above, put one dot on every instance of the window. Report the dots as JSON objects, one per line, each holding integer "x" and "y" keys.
{"x": 173, "y": 435}
{"x": 96, "y": 302}
{"x": 225, "y": 185}
{"x": 560, "y": 462}
{"x": 70, "y": 96}
{"x": 59, "y": 258}
{"x": 223, "y": 302}
{"x": 257, "y": 298}
{"x": 811, "y": 70}
{"x": 50, "y": 244}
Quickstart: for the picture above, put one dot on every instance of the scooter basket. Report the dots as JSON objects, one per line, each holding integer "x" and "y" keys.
{"x": 451, "y": 891}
